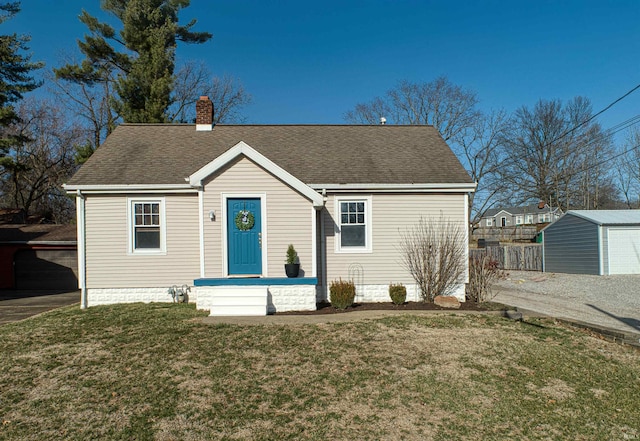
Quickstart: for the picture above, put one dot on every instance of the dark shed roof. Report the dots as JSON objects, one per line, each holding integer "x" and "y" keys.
{"x": 38, "y": 233}
{"x": 315, "y": 154}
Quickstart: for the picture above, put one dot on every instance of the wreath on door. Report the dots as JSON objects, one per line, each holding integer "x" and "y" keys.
{"x": 245, "y": 220}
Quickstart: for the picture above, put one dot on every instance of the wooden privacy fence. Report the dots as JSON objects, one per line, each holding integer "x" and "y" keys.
{"x": 512, "y": 257}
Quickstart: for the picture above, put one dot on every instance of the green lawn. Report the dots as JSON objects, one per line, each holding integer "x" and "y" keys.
{"x": 156, "y": 372}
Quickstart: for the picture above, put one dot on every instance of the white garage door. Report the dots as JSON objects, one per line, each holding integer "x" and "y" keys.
{"x": 624, "y": 251}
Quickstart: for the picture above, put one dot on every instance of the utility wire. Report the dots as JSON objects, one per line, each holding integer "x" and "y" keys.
{"x": 594, "y": 116}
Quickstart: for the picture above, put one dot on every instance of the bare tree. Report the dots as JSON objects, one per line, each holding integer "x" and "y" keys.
{"x": 89, "y": 97}
{"x": 33, "y": 172}
{"x": 227, "y": 95}
{"x": 549, "y": 148}
{"x": 434, "y": 253}
{"x": 88, "y": 101}
{"x": 481, "y": 149}
{"x": 446, "y": 106}
{"x": 628, "y": 169}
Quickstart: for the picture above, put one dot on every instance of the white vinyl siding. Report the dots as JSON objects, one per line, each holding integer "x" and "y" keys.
{"x": 111, "y": 265}
{"x": 288, "y": 218}
{"x": 391, "y": 214}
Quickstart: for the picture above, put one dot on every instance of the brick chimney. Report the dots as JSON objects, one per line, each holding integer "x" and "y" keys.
{"x": 541, "y": 205}
{"x": 204, "y": 114}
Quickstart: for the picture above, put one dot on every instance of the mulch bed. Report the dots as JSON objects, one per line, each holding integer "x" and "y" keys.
{"x": 326, "y": 308}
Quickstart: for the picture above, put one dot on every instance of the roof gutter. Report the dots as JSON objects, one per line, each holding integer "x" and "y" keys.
{"x": 393, "y": 188}
{"x": 130, "y": 188}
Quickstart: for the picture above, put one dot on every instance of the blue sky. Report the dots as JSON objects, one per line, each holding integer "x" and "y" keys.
{"x": 310, "y": 62}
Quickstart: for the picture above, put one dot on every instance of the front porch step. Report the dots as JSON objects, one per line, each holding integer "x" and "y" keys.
{"x": 237, "y": 301}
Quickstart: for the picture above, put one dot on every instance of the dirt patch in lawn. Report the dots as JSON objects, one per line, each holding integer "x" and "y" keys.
{"x": 326, "y": 308}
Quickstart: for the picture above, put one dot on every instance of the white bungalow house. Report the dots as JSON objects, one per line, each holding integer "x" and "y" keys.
{"x": 214, "y": 207}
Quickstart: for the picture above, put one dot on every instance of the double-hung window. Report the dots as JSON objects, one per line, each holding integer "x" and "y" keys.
{"x": 354, "y": 225}
{"x": 146, "y": 226}
{"x": 519, "y": 220}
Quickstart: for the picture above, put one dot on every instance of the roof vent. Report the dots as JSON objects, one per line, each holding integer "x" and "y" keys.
{"x": 383, "y": 120}
{"x": 204, "y": 114}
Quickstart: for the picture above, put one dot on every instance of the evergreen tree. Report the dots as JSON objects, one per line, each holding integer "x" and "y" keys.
{"x": 15, "y": 78}
{"x": 145, "y": 59}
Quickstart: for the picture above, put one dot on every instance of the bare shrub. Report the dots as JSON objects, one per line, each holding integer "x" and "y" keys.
{"x": 483, "y": 270}
{"x": 433, "y": 251}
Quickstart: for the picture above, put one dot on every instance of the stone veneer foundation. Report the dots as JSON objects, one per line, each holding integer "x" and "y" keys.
{"x": 281, "y": 298}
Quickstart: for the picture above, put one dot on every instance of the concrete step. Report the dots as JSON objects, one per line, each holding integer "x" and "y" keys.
{"x": 236, "y": 301}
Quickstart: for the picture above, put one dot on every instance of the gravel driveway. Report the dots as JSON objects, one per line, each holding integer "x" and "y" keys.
{"x": 609, "y": 301}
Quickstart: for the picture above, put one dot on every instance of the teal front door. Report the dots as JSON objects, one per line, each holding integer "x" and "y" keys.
{"x": 244, "y": 236}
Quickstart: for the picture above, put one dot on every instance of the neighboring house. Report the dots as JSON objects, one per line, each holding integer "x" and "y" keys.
{"x": 38, "y": 256}
{"x": 532, "y": 214}
{"x": 215, "y": 207}
{"x": 600, "y": 242}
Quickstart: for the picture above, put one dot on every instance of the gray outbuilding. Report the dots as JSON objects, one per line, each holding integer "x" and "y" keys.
{"x": 600, "y": 242}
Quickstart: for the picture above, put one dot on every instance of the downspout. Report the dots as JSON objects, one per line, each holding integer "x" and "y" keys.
{"x": 201, "y": 227}
{"x": 323, "y": 247}
{"x": 466, "y": 235}
{"x": 82, "y": 257}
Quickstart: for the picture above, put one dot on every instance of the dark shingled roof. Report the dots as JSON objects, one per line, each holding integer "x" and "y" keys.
{"x": 526, "y": 209}
{"x": 37, "y": 233}
{"x": 315, "y": 154}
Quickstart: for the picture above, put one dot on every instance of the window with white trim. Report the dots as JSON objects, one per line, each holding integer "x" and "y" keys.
{"x": 146, "y": 226}
{"x": 489, "y": 222}
{"x": 529, "y": 219}
{"x": 519, "y": 220}
{"x": 354, "y": 225}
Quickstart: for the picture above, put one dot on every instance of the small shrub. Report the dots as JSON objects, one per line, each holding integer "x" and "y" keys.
{"x": 398, "y": 293}
{"x": 342, "y": 293}
{"x": 291, "y": 254}
{"x": 482, "y": 272}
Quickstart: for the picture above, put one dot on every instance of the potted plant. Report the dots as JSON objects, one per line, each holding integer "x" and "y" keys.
{"x": 292, "y": 264}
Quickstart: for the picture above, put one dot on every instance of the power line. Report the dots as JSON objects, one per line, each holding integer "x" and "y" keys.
{"x": 594, "y": 116}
